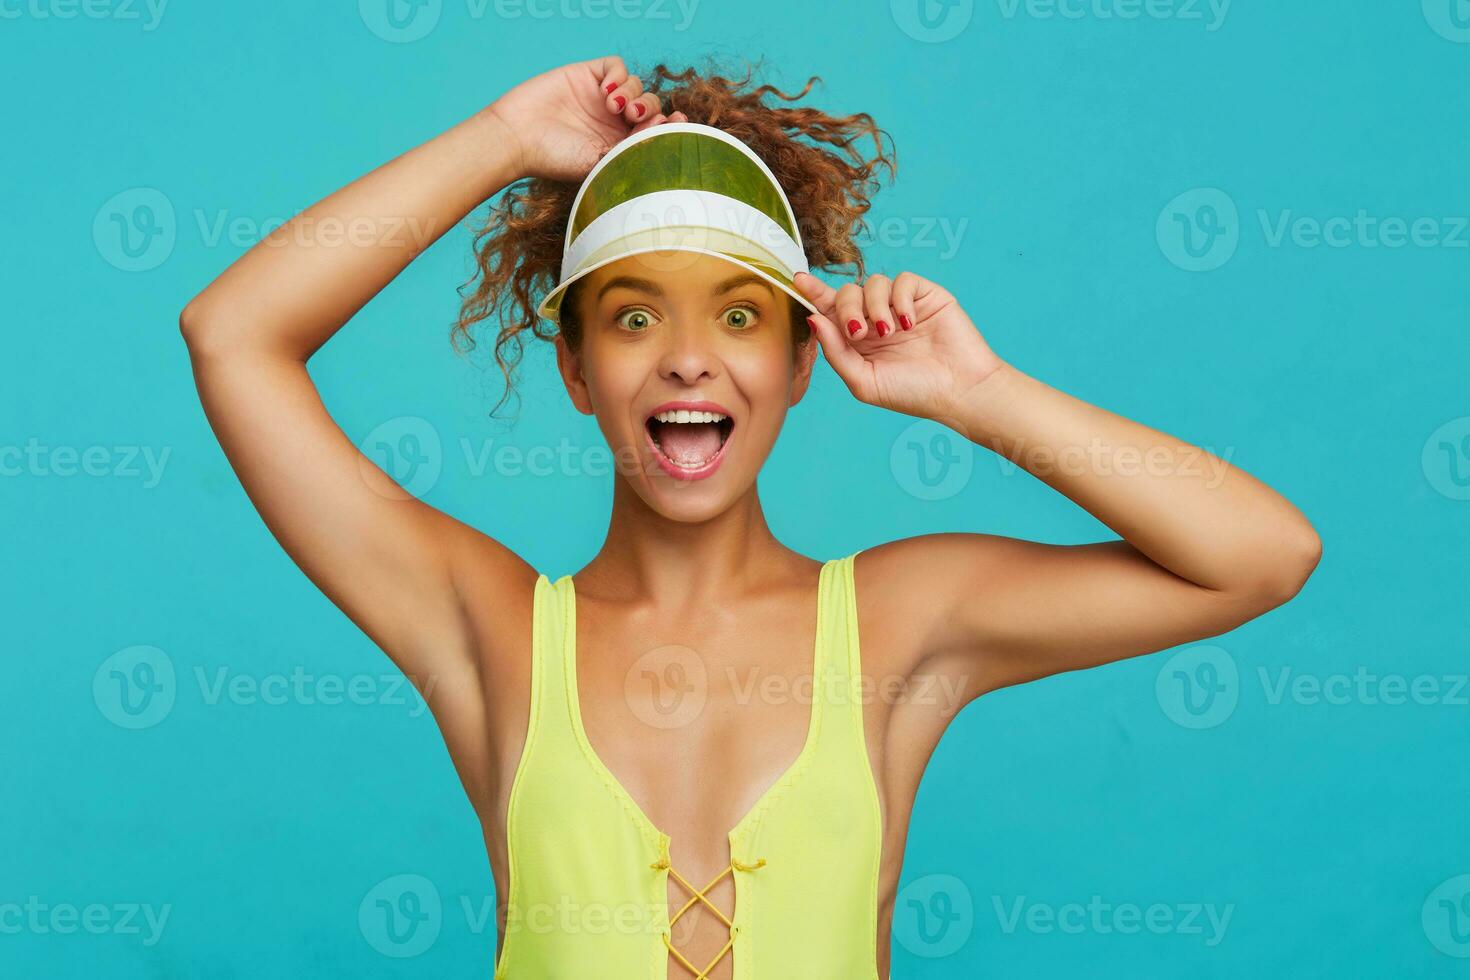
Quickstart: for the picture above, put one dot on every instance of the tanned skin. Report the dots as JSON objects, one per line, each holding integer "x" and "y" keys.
{"x": 1203, "y": 546}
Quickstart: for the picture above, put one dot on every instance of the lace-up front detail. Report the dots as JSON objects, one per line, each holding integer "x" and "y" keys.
{"x": 697, "y": 895}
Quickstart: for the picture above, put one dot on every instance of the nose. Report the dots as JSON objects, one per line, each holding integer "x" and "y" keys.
{"x": 688, "y": 356}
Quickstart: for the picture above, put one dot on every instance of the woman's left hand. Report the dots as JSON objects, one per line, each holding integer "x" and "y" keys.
{"x": 903, "y": 344}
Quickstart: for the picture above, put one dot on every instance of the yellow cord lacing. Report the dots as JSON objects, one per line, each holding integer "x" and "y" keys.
{"x": 698, "y": 895}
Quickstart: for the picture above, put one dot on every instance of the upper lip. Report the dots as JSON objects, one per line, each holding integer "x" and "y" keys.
{"x": 689, "y": 406}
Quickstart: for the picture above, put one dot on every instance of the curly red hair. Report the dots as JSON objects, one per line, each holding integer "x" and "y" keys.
{"x": 814, "y": 156}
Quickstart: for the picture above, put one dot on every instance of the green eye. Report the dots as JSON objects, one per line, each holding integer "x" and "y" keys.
{"x": 635, "y": 320}
{"x": 744, "y": 317}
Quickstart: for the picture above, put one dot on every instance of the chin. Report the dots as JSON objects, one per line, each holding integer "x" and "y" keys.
{"x": 691, "y": 500}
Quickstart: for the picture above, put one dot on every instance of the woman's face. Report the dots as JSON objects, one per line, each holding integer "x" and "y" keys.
{"x": 688, "y": 363}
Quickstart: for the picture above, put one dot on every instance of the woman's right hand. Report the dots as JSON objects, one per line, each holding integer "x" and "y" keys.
{"x": 564, "y": 120}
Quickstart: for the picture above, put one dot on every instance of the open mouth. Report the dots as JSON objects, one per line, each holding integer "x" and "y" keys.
{"x": 689, "y": 444}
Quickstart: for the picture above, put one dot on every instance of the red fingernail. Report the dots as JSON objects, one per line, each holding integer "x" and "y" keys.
{"x": 611, "y": 86}
{"x": 621, "y": 102}
{"x": 883, "y": 328}
{"x": 853, "y": 326}
{"x": 812, "y": 323}
{"x": 905, "y": 322}
{"x": 641, "y": 110}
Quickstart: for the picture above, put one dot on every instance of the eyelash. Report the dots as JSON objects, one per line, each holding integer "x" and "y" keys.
{"x": 618, "y": 316}
{"x": 751, "y": 307}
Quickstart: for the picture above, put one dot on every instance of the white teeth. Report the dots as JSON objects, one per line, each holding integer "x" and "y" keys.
{"x": 682, "y": 415}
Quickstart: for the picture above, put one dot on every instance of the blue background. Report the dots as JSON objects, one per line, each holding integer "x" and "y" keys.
{"x": 1053, "y": 147}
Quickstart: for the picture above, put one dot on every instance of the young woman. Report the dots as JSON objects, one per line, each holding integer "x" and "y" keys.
{"x": 697, "y": 755}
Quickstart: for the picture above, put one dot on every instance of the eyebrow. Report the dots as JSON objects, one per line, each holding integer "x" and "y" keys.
{"x": 654, "y": 289}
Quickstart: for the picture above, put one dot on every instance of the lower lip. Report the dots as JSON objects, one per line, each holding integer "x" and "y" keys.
{"x": 687, "y": 473}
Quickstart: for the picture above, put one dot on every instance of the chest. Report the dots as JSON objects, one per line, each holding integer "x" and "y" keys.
{"x": 723, "y": 751}
{"x": 697, "y": 714}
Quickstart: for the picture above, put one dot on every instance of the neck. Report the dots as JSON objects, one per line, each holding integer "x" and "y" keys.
{"x": 668, "y": 563}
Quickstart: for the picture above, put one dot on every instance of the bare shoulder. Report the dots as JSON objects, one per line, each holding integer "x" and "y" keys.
{"x": 929, "y": 555}
{"x": 907, "y": 588}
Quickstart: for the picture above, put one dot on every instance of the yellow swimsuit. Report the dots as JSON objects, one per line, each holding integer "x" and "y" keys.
{"x": 589, "y": 871}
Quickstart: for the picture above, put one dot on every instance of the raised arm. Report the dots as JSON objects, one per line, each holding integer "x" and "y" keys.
{"x": 400, "y": 569}
{"x": 1204, "y": 545}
